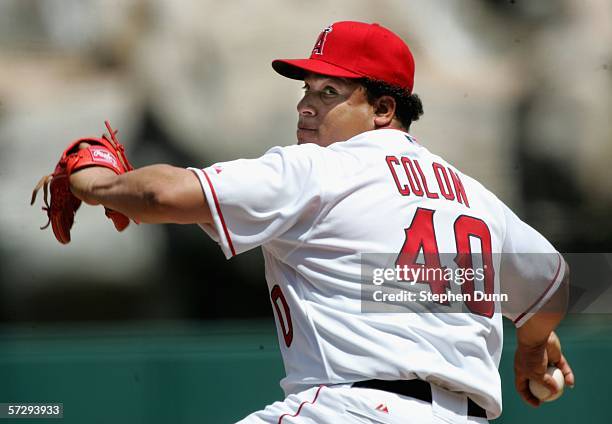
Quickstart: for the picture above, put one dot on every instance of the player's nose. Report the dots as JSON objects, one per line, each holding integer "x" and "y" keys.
{"x": 305, "y": 107}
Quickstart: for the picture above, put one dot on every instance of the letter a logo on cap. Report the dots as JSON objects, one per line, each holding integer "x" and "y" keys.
{"x": 318, "y": 47}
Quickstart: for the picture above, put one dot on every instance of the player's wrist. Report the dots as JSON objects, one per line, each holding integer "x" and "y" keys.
{"x": 532, "y": 338}
{"x": 531, "y": 345}
{"x": 85, "y": 183}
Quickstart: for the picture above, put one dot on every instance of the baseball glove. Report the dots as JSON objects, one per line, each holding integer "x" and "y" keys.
{"x": 103, "y": 151}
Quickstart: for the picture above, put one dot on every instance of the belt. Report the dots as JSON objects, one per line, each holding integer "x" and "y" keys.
{"x": 418, "y": 389}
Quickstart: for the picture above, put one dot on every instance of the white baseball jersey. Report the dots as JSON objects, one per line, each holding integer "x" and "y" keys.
{"x": 317, "y": 212}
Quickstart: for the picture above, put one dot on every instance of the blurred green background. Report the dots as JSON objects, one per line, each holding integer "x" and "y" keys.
{"x": 219, "y": 372}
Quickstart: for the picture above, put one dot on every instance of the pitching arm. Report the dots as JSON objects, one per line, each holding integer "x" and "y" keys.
{"x": 538, "y": 346}
{"x": 153, "y": 194}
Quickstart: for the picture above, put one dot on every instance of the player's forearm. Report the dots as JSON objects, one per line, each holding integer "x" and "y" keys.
{"x": 153, "y": 194}
{"x": 130, "y": 196}
{"x": 536, "y": 330}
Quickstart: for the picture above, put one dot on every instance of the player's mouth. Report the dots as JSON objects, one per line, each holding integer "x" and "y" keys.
{"x": 306, "y": 134}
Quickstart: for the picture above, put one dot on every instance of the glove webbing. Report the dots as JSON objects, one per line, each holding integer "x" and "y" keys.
{"x": 44, "y": 182}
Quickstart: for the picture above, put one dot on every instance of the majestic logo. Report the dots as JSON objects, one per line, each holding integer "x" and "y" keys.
{"x": 318, "y": 47}
{"x": 101, "y": 155}
{"x": 382, "y": 408}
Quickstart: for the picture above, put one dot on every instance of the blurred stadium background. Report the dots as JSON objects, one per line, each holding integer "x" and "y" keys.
{"x": 153, "y": 325}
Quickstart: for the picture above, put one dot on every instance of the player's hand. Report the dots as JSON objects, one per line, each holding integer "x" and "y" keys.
{"x": 556, "y": 358}
{"x": 530, "y": 363}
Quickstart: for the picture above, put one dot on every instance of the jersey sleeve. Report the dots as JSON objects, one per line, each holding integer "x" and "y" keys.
{"x": 253, "y": 201}
{"x": 531, "y": 269}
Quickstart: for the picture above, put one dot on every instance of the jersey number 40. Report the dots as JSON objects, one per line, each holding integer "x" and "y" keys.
{"x": 421, "y": 243}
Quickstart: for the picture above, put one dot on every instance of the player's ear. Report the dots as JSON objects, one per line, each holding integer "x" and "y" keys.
{"x": 384, "y": 111}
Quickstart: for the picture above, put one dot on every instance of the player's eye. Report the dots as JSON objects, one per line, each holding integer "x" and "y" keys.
{"x": 329, "y": 91}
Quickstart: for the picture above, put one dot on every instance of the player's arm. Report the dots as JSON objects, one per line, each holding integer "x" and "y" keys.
{"x": 537, "y": 329}
{"x": 538, "y": 345}
{"x": 152, "y": 194}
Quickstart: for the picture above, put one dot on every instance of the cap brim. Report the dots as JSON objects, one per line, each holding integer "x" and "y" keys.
{"x": 297, "y": 68}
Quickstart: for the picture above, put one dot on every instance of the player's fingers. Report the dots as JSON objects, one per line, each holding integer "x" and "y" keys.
{"x": 549, "y": 382}
{"x": 522, "y": 387}
{"x": 568, "y": 374}
{"x": 553, "y": 348}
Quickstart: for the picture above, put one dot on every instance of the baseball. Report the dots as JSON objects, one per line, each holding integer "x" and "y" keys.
{"x": 542, "y": 392}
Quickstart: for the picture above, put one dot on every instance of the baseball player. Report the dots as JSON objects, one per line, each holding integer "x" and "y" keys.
{"x": 356, "y": 184}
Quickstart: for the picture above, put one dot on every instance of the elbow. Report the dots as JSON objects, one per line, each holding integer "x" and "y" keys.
{"x": 155, "y": 200}
{"x": 159, "y": 202}
{"x": 152, "y": 197}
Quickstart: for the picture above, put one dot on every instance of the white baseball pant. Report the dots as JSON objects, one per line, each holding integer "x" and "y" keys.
{"x": 343, "y": 404}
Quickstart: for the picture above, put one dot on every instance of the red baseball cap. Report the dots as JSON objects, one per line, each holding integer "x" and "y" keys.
{"x": 355, "y": 50}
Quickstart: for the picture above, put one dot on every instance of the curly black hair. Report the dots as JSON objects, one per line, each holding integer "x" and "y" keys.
{"x": 408, "y": 106}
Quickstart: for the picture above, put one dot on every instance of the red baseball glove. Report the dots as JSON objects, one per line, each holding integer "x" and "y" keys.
{"x": 104, "y": 151}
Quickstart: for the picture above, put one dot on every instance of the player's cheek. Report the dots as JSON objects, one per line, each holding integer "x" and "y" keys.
{"x": 329, "y": 132}
{"x": 349, "y": 125}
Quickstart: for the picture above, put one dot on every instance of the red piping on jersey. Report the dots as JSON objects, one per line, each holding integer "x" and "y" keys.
{"x": 227, "y": 236}
{"x": 301, "y": 404}
{"x": 543, "y": 294}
